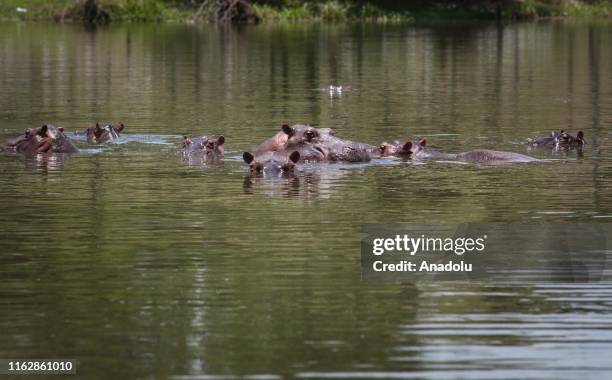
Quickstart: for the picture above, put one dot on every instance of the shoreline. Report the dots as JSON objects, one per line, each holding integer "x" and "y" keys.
{"x": 331, "y": 11}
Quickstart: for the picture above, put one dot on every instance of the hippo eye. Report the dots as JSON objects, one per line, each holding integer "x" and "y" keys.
{"x": 310, "y": 134}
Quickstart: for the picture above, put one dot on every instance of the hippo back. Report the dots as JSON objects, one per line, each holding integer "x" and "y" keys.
{"x": 485, "y": 155}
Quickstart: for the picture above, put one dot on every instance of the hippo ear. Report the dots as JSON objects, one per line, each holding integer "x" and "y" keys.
{"x": 43, "y": 131}
{"x": 580, "y": 135}
{"x": 406, "y": 146}
{"x": 220, "y": 140}
{"x": 288, "y": 130}
{"x": 247, "y": 157}
{"x": 27, "y": 131}
{"x": 294, "y": 157}
{"x": 61, "y": 129}
{"x": 120, "y": 127}
{"x": 422, "y": 142}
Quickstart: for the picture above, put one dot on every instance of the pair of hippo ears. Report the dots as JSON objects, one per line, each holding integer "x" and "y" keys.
{"x": 42, "y": 131}
{"x": 408, "y": 144}
{"x": 248, "y": 157}
{"x": 579, "y": 135}
{"x": 219, "y": 140}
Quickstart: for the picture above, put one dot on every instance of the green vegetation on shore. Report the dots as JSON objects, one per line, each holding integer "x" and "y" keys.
{"x": 300, "y": 10}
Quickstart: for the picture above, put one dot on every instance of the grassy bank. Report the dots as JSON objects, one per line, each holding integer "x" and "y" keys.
{"x": 334, "y": 10}
{"x": 330, "y": 10}
{"x": 118, "y": 10}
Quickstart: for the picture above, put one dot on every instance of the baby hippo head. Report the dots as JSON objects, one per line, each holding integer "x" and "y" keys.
{"x": 271, "y": 164}
{"x": 300, "y": 134}
{"x": 568, "y": 140}
{"x": 397, "y": 148}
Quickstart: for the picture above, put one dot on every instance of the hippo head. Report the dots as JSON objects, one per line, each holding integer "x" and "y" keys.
{"x": 271, "y": 164}
{"x": 407, "y": 149}
{"x": 300, "y": 134}
{"x": 397, "y": 148}
{"x": 101, "y": 133}
{"x": 210, "y": 146}
{"x": 119, "y": 127}
{"x": 45, "y": 139}
{"x": 414, "y": 150}
{"x": 213, "y": 146}
{"x": 565, "y": 139}
{"x": 186, "y": 141}
{"x": 94, "y": 132}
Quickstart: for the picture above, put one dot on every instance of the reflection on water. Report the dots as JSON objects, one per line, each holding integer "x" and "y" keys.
{"x": 141, "y": 266}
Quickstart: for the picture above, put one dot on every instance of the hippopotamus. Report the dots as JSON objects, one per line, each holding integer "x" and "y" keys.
{"x": 420, "y": 150}
{"x": 333, "y": 148}
{"x": 45, "y": 139}
{"x": 396, "y": 148}
{"x": 300, "y": 138}
{"x": 98, "y": 134}
{"x": 272, "y": 163}
{"x": 280, "y": 141}
{"x": 317, "y": 145}
{"x": 560, "y": 139}
{"x": 203, "y": 149}
{"x": 322, "y": 145}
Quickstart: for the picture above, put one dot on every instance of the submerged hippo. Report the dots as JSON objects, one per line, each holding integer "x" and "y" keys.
{"x": 45, "y": 139}
{"x": 420, "y": 150}
{"x": 98, "y": 134}
{"x": 272, "y": 163}
{"x": 203, "y": 149}
{"x": 560, "y": 139}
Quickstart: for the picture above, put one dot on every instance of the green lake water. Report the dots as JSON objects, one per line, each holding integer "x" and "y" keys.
{"x": 140, "y": 266}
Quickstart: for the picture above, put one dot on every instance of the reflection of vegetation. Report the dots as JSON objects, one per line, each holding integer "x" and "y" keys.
{"x": 328, "y": 10}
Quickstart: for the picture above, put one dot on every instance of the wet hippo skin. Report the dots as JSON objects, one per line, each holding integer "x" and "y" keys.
{"x": 45, "y": 139}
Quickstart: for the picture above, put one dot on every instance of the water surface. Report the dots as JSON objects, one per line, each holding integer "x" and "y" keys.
{"x": 141, "y": 266}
